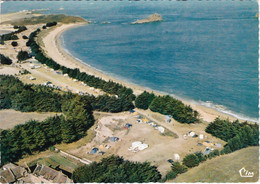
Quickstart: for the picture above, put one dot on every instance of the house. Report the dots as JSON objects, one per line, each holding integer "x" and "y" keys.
{"x": 49, "y": 175}
{"x": 114, "y": 139}
{"x": 176, "y": 156}
{"x": 11, "y": 173}
{"x": 93, "y": 151}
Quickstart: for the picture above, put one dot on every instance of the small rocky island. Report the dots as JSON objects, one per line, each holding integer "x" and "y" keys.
{"x": 152, "y": 18}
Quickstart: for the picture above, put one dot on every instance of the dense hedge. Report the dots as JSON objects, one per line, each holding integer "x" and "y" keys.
{"x": 167, "y": 105}
{"x": 237, "y": 135}
{"x": 115, "y": 169}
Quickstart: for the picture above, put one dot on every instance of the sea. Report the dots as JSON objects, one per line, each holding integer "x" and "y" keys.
{"x": 205, "y": 52}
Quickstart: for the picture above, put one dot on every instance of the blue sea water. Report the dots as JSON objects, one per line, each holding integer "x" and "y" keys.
{"x": 205, "y": 51}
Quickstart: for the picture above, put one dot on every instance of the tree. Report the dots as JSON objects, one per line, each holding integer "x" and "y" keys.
{"x": 22, "y": 55}
{"x": 5, "y": 60}
{"x": 115, "y": 169}
{"x": 144, "y": 100}
{"x": 191, "y": 160}
{"x": 178, "y": 168}
{"x": 14, "y": 43}
{"x": 25, "y": 37}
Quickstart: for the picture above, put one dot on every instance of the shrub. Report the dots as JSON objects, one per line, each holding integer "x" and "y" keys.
{"x": 25, "y": 37}
{"x": 178, "y": 168}
{"x": 191, "y": 160}
{"x": 5, "y": 60}
{"x": 14, "y": 43}
{"x": 22, "y": 55}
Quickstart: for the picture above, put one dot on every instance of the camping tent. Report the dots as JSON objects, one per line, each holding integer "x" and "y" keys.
{"x": 94, "y": 150}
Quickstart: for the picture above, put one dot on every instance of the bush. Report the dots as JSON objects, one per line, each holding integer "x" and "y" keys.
{"x": 201, "y": 157}
{"x": 191, "y": 160}
{"x": 25, "y": 37}
{"x": 22, "y": 55}
{"x": 50, "y": 24}
{"x": 170, "y": 175}
{"x": 14, "y": 44}
{"x": 178, "y": 168}
{"x": 43, "y": 27}
{"x": 16, "y": 27}
{"x": 5, "y": 60}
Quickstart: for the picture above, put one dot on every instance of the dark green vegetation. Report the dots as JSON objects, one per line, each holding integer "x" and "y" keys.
{"x": 115, "y": 169}
{"x": 5, "y": 60}
{"x": 168, "y": 106}
{"x": 22, "y": 55}
{"x": 237, "y": 135}
{"x": 36, "y": 136}
{"x": 14, "y": 43}
{"x": 47, "y": 18}
{"x": 12, "y": 36}
{"x": 50, "y": 24}
{"x": 176, "y": 169}
{"x": 144, "y": 100}
{"x": 124, "y": 94}
{"x": 25, "y": 37}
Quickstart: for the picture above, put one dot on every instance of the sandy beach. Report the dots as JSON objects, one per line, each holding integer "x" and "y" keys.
{"x": 53, "y": 48}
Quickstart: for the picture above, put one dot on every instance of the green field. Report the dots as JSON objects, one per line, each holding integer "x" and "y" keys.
{"x": 225, "y": 168}
{"x": 56, "y": 160}
{"x": 43, "y": 19}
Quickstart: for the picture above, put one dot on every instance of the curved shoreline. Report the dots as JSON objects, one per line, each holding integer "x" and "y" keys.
{"x": 53, "y": 48}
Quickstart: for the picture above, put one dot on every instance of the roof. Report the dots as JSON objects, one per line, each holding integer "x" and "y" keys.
{"x": 9, "y": 165}
{"x": 51, "y": 174}
{"x": 8, "y": 176}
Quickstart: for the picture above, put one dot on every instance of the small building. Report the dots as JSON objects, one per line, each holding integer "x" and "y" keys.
{"x": 176, "y": 156}
{"x": 93, "y": 151}
{"x": 114, "y": 139}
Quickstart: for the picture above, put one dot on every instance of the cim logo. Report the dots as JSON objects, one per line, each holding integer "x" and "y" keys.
{"x": 245, "y": 173}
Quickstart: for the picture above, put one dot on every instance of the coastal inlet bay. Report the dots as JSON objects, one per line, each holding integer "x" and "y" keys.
{"x": 201, "y": 51}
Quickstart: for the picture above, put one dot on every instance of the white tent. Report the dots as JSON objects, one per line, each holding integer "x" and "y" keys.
{"x": 176, "y": 156}
{"x": 161, "y": 129}
{"x": 201, "y": 136}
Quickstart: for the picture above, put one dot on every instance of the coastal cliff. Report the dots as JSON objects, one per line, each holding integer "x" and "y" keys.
{"x": 152, "y": 18}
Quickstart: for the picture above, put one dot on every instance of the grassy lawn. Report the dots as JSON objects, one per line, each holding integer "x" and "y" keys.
{"x": 43, "y": 19}
{"x": 56, "y": 160}
{"x": 225, "y": 168}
